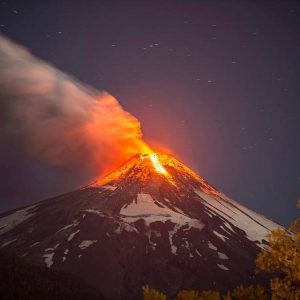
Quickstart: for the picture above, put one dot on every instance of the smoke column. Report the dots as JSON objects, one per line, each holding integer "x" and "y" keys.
{"x": 52, "y": 117}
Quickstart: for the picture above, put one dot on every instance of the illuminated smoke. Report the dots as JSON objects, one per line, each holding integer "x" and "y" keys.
{"x": 54, "y": 118}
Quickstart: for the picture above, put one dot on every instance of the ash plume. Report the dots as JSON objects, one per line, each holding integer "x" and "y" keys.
{"x": 54, "y": 118}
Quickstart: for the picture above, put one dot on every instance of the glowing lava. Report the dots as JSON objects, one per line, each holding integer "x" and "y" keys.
{"x": 156, "y": 164}
{"x": 142, "y": 167}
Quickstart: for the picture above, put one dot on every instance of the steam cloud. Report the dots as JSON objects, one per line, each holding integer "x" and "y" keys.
{"x": 54, "y": 118}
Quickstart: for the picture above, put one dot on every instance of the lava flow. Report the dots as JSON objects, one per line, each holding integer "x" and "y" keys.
{"x": 155, "y": 162}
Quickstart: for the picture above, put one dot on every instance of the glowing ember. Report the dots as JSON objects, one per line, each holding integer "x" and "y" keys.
{"x": 156, "y": 164}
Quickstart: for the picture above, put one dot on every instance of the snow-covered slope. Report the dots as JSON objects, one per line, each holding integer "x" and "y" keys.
{"x": 256, "y": 226}
{"x": 143, "y": 224}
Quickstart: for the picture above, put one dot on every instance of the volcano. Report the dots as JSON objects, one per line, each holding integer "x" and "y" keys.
{"x": 153, "y": 221}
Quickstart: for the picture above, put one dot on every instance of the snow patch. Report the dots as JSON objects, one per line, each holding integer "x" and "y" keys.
{"x": 228, "y": 226}
{"x": 52, "y": 249}
{"x": 123, "y": 226}
{"x": 8, "y": 243}
{"x": 222, "y": 255}
{"x": 145, "y": 208}
{"x": 7, "y": 223}
{"x": 95, "y": 211}
{"x": 48, "y": 259}
{"x": 65, "y": 255}
{"x": 171, "y": 234}
{"x": 222, "y": 267}
{"x": 86, "y": 243}
{"x": 210, "y": 214}
{"x": 156, "y": 233}
{"x": 222, "y": 237}
{"x": 109, "y": 187}
{"x": 255, "y": 226}
{"x": 34, "y": 244}
{"x": 74, "y": 224}
{"x": 212, "y": 246}
{"x": 71, "y": 236}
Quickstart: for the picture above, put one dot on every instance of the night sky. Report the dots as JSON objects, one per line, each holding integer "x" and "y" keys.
{"x": 215, "y": 81}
